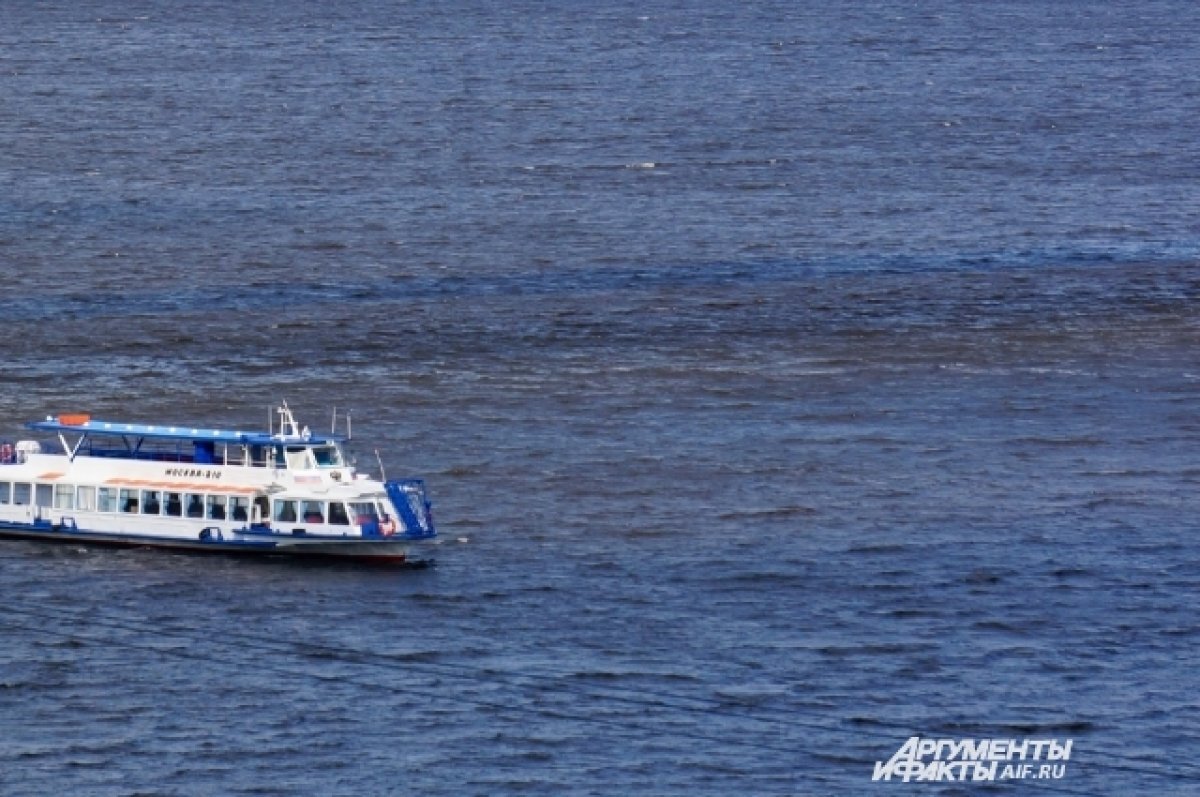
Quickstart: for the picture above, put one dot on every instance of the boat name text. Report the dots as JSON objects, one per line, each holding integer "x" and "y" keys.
{"x": 193, "y": 473}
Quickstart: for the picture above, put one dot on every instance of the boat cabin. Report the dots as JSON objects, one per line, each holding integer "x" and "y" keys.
{"x": 298, "y": 450}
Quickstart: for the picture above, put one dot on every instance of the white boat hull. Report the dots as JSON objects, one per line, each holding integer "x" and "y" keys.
{"x": 348, "y": 549}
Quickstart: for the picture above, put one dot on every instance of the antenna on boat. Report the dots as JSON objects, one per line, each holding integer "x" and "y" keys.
{"x": 287, "y": 422}
{"x": 382, "y": 475}
{"x": 333, "y": 427}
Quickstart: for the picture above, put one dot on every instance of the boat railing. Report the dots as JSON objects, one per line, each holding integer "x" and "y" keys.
{"x": 147, "y": 456}
{"x": 16, "y": 454}
{"x": 182, "y": 455}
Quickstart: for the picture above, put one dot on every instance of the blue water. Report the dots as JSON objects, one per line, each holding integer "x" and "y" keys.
{"x": 791, "y": 379}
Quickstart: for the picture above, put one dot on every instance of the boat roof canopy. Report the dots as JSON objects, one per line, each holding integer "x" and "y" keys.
{"x": 196, "y": 433}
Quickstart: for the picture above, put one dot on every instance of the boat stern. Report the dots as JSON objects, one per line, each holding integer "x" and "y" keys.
{"x": 413, "y": 508}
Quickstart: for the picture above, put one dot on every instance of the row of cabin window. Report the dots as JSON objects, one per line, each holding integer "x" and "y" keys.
{"x": 177, "y": 504}
{"x": 292, "y": 511}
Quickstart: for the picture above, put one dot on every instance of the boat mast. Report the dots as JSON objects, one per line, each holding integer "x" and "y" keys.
{"x": 287, "y": 422}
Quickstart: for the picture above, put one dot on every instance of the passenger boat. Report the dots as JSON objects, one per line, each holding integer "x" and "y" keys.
{"x": 285, "y": 491}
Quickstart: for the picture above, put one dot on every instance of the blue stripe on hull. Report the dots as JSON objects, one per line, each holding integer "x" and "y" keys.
{"x": 373, "y": 550}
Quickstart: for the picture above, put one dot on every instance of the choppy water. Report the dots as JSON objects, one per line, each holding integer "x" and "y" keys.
{"x": 790, "y": 380}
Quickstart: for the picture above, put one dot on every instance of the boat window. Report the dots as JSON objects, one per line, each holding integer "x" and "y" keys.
{"x": 327, "y": 456}
{"x": 239, "y": 508}
{"x": 128, "y": 501}
{"x": 22, "y": 493}
{"x": 298, "y": 458}
{"x": 195, "y": 506}
{"x": 150, "y": 502}
{"x": 364, "y": 512}
{"x": 314, "y": 512}
{"x": 5, "y": 492}
{"x": 337, "y": 513}
{"x": 285, "y": 511}
{"x": 44, "y": 495}
{"x": 106, "y": 499}
{"x": 86, "y": 499}
{"x": 215, "y": 507}
{"x": 173, "y": 505}
{"x": 262, "y": 509}
{"x": 64, "y": 496}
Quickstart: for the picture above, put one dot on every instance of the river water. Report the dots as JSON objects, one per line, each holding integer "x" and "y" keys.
{"x": 790, "y": 380}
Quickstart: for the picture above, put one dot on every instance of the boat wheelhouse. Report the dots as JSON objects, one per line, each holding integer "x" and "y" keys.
{"x": 285, "y": 491}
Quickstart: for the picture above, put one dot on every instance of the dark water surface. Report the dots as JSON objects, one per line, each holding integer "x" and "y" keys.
{"x": 790, "y": 380}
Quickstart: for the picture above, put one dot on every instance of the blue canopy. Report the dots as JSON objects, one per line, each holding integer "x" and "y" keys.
{"x": 95, "y": 426}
